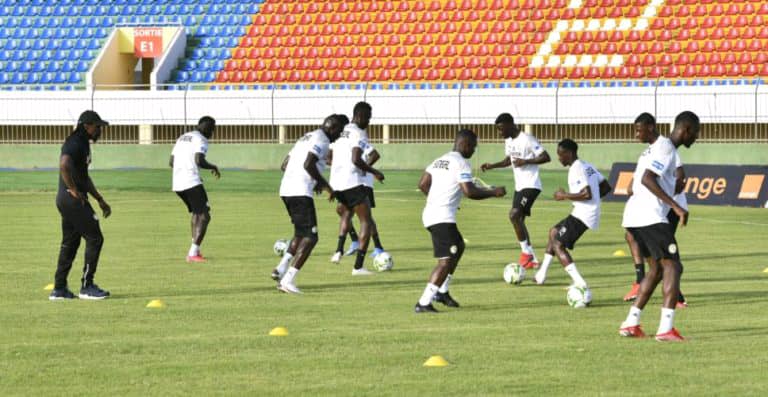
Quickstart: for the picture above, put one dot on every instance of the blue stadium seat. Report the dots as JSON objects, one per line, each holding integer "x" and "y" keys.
{"x": 113, "y": 10}
{"x": 82, "y": 67}
{"x": 54, "y": 66}
{"x": 68, "y": 66}
{"x": 17, "y": 78}
{"x": 19, "y": 33}
{"x": 95, "y": 44}
{"x": 46, "y": 55}
{"x": 81, "y": 22}
{"x": 188, "y": 65}
{"x": 66, "y": 44}
{"x": 32, "y": 78}
{"x": 204, "y": 65}
{"x": 5, "y": 78}
{"x": 73, "y": 11}
{"x": 61, "y": 55}
{"x": 25, "y": 22}
{"x": 38, "y": 67}
{"x": 197, "y": 53}
{"x": 47, "y": 78}
{"x": 102, "y": 33}
{"x": 38, "y": 23}
{"x": 75, "y": 55}
{"x": 50, "y": 44}
{"x": 81, "y": 44}
{"x": 32, "y": 44}
{"x": 107, "y": 22}
{"x": 19, "y": 55}
{"x": 53, "y": 22}
{"x": 94, "y": 22}
{"x": 101, "y": 10}
{"x": 196, "y": 77}
{"x": 59, "y": 34}
{"x": 182, "y": 76}
{"x": 4, "y": 33}
{"x": 47, "y": 11}
{"x": 11, "y": 44}
{"x": 74, "y": 78}
{"x": 209, "y": 77}
{"x": 5, "y": 55}
{"x": 61, "y": 78}
{"x": 11, "y": 66}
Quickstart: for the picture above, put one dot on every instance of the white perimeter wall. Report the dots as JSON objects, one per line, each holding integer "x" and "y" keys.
{"x": 720, "y": 104}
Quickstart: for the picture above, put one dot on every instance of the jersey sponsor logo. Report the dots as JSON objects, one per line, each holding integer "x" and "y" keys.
{"x": 658, "y": 165}
{"x": 466, "y": 175}
{"x": 590, "y": 171}
{"x": 441, "y": 164}
{"x": 362, "y": 144}
{"x": 316, "y": 148}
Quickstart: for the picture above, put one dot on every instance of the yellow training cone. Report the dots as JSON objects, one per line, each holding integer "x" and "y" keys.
{"x": 766, "y": 270}
{"x": 156, "y": 304}
{"x": 436, "y": 361}
{"x": 619, "y": 253}
{"x": 466, "y": 241}
{"x": 279, "y": 331}
{"x": 48, "y": 287}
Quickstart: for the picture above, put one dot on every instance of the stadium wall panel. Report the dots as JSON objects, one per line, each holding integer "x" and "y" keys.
{"x": 393, "y": 156}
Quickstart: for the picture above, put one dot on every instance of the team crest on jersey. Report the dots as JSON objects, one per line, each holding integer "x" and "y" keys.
{"x": 562, "y": 231}
{"x": 454, "y": 249}
{"x": 672, "y": 248}
{"x": 657, "y": 165}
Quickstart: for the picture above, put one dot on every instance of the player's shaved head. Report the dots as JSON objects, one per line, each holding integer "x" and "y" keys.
{"x": 361, "y": 114}
{"x": 206, "y": 125}
{"x": 686, "y": 131}
{"x": 343, "y": 119}
{"x": 645, "y": 128}
{"x": 333, "y": 125}
{"x": 645, "y": 118}
{"x": 465, "y": 142}
{"x": 505, "y": 124}
{"x": 567, "y": 151}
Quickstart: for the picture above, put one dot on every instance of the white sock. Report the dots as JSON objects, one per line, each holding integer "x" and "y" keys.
{"x": 194, "y": 250}
{"x": 530, "y": 251}
{"x": 633, "y": 318}
{"x": 284, "y": 261}
{"x": 289, "y": 276}
{"x": 525, "y": 247}
{"x": 667, "y": 318}
{"x": 429, "y": 293}
{"x": 542, "y": 273}
{"x": 575, "y": 276}
{"x": 444, "y": 288}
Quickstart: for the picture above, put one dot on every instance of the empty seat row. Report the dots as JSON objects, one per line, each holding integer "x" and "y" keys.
{"x": 65, "y": 44}
{"x": 40, "y": 78}
{"x": 47, "y": 55}
{"x": 54, "y": 66}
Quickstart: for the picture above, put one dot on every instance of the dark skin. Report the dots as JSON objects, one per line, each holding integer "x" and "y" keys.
{"x": 516, "y": 215}
{"x": 554, "y": 246}
{"x": 199, "y": 222}
{"x": 465, "y": 146}
{"x": 301, "y": 247}
{"x": 346, "y": 215}
{"x": 667, "y": 269}
{"x": 65, "y": 167}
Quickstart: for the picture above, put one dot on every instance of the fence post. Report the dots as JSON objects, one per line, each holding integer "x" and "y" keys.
{"x": 557, "y": 108}
{"x": 281, "y": 130}
{"x": 757, "y": 86}
{"x": 461, "y": 87}
{"x": 184, "y": 103}
{"x": 385, "y": 134}
{"x": 93, "y": 93}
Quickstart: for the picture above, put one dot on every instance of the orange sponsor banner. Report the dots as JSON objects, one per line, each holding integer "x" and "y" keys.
{"x": 744, "y": 186}
{"x": 148, "y": 42}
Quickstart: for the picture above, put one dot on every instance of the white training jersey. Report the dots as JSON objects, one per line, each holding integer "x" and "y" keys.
{"x": 643, "y": 208}
{"x": 186, "y": 174}
{"x": 680, "y": 198}
{"x": 580, "y": 175}
{"x": 526, "y": 147}
{"x": 296, "y": 180}
{"x": 345, "y": 174}
{"x": 368, "y": 178}
{"x": 448, "y": 172}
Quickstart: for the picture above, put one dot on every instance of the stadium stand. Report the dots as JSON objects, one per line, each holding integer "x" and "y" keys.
{"x": 424, "y": 43}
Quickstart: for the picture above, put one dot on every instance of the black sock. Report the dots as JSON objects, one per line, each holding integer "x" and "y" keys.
{"x": 352, "y": 233}
{"x": 360, "y": 259}
{"x": 681, "y": 298}
{"x": 639, "y": 272}
{"x": 377, "y": 242}
{"x": 340, "y": 245}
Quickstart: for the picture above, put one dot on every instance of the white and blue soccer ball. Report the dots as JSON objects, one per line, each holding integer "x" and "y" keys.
{"x": 578, "y": 297}
{"x": 514, "y": 273}
{"x": 383, "y": 262}
{"x": 280, "y": 247}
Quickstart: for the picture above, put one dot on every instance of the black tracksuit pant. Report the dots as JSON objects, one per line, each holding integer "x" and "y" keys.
{"x": 78, "y": 220}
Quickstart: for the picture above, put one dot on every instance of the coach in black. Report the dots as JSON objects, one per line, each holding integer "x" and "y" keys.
{"x": 78, "y": 220}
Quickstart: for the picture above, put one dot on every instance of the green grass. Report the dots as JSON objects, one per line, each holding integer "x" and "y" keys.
{"x": 351, "y": 336}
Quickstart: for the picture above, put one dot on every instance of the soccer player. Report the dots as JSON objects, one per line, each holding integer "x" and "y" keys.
{"x": 645, "y": 217}
{"x": 78, "y": 220}
{"x": 348, "y": 171}
{"x": 187, "y": 157}
{"x": 370, "y": 156}
{"x": 443, "y": 182}
{"x": 302, "y": 175}
{"x": 586, "y": 187}
{"x": 524, "y": 153}
{"x": 646, "y": 121}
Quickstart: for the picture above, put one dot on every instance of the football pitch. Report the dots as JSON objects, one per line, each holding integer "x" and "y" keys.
{"x": 359, "y": 335}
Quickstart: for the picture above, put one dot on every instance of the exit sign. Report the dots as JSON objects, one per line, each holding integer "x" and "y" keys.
{"x": 148, "y": 42}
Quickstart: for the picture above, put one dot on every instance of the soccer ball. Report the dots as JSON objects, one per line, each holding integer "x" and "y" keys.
{"x": 280, "y": 247}
{"x": 578, "y": 297}
{"x": 383, "y": 262}
{"x": 514, "y": 273}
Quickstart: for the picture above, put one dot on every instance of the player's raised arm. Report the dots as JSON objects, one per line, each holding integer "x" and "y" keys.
{"x": 425, "y": 183}
{"x": 501, "y": 164}
{"x": 651, "y": 182}
{"x": 584, "y": 194}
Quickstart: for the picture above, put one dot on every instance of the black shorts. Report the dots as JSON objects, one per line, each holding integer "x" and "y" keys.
{"x": 674, "y": 220}
{"x": 524, "y": 200}
{"x": 569, "y": 230}
{"x": 447, "y": 242}
{"x": 371, "y": 199}
{"x": 196, "y": 199}
{"x": 301, "y": 209}
{"x": 353, "y": 197}
{"x": 656, "y": 241}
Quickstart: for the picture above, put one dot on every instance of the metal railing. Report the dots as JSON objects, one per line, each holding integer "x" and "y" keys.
{"x": 282, "y": 113}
